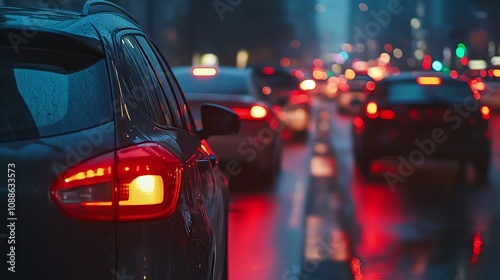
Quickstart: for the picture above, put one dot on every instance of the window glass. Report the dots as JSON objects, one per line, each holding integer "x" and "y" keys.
{"x": 168, "y": 84}
{"x": 141, "y": 83}
{"x": 43, "y": 98}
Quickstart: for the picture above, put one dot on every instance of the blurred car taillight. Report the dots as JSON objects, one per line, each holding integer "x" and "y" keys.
{"x": 485, "y": 112}
{"x": 299, "y": 97}
{"x": 255, "y": 112}
{"x": 141, "y": 182}
{"x": 370, "y": 86}
{"x": 373, "y": 112}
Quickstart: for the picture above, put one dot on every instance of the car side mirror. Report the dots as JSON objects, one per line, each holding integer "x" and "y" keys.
{"x": 217, "y": 120}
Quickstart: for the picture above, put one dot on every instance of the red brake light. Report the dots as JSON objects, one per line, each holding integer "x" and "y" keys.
{"x": 358, "y": 122}
{"x": 204, "y": 71}
{"x": 268, "y": 70}
{"x": 266, "y": 90}
{"x": 299, "y": 97}
{"x": 255, "y": 112}
{"x": 387, "y": 114}
{"x": 429, "y": 81}
{"x": 372, "y": 110}
{"x": 485, "y": 112}
{"x": 140, "y": 182}
{"x": 370, "y": 86}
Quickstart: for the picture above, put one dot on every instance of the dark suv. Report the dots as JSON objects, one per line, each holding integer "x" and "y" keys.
{"x": 104, "y": 173}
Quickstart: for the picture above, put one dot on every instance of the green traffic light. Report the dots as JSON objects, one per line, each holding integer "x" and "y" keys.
{"x": 460, "y": 51}
{"x": 437, "y": 66}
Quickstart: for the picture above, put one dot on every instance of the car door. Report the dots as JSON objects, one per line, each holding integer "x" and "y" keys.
{"x": 214, "y": 192}
{"x": 181, "y": 246}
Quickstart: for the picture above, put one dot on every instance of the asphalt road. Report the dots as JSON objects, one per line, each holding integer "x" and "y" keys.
{"x": 322, "y": 220}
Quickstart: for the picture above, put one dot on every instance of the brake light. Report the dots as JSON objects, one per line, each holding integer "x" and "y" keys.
{"x": 266, "y": 90}
{"x": 298, "y": 97}
{"x": 204, "y": 71}
{"x": 255, "y": 112}
{"x": 372, "y": 110}
{"x": 485, "y": 112}
{"x": 140, "y": 182}
{"x": 387, "y": 114}
{"x": 429, "y": 81}
{"x": 268, "y": 70}
{"x": 358, "y": 122}
{"x": 370, "y": 86}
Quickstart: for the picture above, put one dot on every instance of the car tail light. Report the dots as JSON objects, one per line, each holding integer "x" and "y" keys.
{"x": 299, "y": 97}
{"x": 429, "y": 81}
{"x": 485, "y": 112}
{"x": 370, "y": 86}
{"x": 268, "y": 70}
{"x": 204, "y": 71}
{"x": 255, "y": 112}
{"x": 358, "y": 122}
{"x": 372, "y": 110}
{"x": 141, "y": 182}
{"x": 387, "y": 114}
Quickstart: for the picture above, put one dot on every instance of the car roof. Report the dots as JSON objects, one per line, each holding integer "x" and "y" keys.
{"x": 89, "y": 22}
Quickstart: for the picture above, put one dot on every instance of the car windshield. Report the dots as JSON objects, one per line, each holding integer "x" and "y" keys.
{"x": 58, "y": 94}
{"x": 281, "y": 81}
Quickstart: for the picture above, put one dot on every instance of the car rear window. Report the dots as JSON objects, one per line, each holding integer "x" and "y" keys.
{"x": 221, "y": 83}
{"x": 281, "y": 81}
{"x": 411, "y": 91}
{"x": 45, "y": 93}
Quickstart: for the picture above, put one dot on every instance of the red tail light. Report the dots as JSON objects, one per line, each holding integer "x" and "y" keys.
{"x": 387, "y": 114}
{"x": 299, "y": 97}
{"x": 140, "y": 182}
{"x": 370, "y": 86}
{"x": 372, "y": 110}
{"x": 255, "y": 112}
{"x": 358, "y": 122}
{"x": 485, "y": 112}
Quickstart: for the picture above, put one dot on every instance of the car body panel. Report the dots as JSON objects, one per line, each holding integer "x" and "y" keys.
{"x": 190, "y": 244}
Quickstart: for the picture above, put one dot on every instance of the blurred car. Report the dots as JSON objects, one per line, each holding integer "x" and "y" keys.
{"x": 488, "y": 89}
{"x": 352, "y": 93}
{"x": 415, "y": 116}
{"x": 107, "y": 177}
{"x": 259, "y": 143}
{"x": 284, "y": 90}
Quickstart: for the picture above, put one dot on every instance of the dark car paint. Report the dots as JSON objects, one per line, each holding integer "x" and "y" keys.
{"x": 52, "y": 246}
